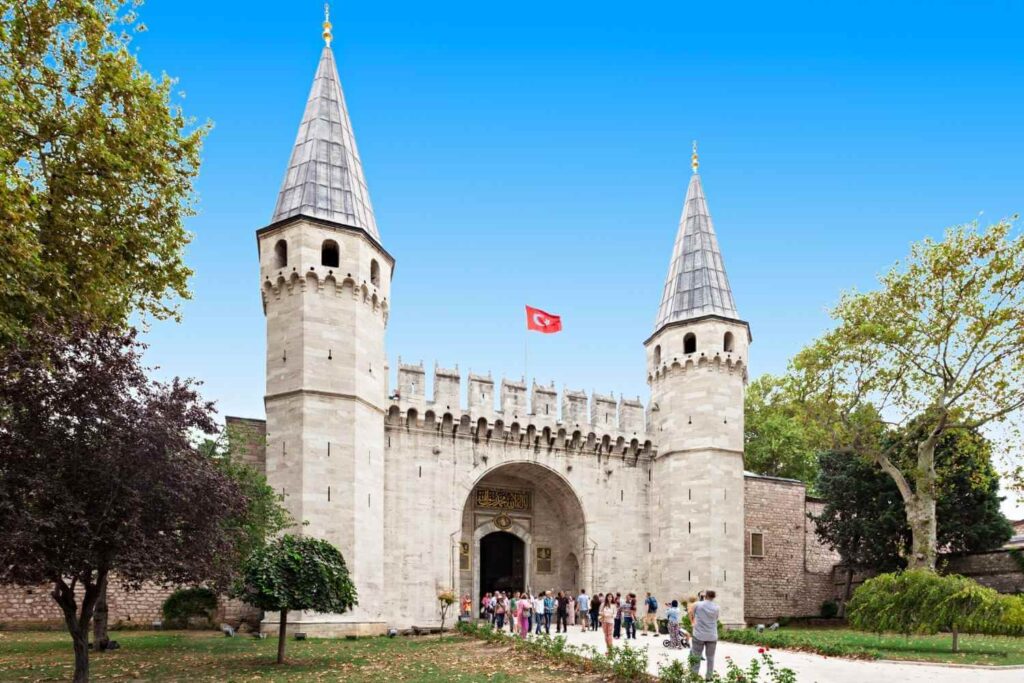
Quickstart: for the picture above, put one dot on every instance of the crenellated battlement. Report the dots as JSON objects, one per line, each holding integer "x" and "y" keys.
{"x": 529, "y": 418}
{"x": 322, "y": 281}
{"x": 721, "y": 361}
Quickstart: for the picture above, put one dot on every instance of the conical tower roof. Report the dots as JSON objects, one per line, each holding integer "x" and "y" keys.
{"x": 696, "y": 284}
{"x": 325, "y": 176}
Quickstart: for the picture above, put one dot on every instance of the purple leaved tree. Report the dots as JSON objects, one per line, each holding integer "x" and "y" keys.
{"x": 100, "y": 476}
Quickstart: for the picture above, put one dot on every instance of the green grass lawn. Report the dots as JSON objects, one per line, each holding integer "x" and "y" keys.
{"x": 206, "y": 656}
{"x": 990, "y": 650}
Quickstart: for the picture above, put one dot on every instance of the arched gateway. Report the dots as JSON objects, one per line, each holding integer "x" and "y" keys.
{"x": 523, "y": 528}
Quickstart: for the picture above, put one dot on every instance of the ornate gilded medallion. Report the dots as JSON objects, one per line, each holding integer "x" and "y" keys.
{"x": 503, "y": 521}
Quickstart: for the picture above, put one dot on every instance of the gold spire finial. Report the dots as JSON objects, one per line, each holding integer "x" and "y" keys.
{"x": 693, "y": 160}
{"x": 327, "y": 24}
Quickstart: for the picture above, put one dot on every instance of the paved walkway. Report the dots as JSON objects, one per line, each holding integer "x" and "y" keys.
{"x": 812, "y": 668}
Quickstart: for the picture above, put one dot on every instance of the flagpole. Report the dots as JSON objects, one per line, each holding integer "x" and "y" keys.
{"x": 526, "y": 359}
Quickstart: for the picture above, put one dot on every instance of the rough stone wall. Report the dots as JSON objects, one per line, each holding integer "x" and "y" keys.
{"x": 251, "y": 441}
{"x": 20, "y": 604}
{"x": 33, "y": 606}
{"x": 795, "y": 575}
{"x": 997, "y": 569}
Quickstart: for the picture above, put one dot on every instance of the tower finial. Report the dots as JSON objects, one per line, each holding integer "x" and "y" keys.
{"x": 327, "y": 24}
{"x": 693, "y": 160}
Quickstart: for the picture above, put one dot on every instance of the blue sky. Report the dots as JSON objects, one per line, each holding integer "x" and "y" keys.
{"x": 539, "y": 153}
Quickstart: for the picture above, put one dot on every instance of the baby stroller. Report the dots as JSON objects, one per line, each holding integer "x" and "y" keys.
{"x": 684, "y": 640}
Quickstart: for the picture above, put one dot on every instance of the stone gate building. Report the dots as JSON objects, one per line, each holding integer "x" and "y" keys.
{"x": 520, "y": 488}
{"x": 516, "y": 488}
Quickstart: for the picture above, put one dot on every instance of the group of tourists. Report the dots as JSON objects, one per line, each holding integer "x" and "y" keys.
{"x": 615, "y": 614}
{"x": 524, "y": 612}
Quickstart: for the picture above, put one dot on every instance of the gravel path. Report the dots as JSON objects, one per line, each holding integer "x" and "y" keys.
{"x": 812, "y": 668}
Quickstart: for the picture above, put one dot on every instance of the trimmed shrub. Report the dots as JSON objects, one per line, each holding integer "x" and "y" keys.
{"x": 185, "y": 603}
{"x": 919, "y": 601}
{"x": 829, "y": 609}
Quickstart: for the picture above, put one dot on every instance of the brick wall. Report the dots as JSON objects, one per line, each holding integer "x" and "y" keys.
{"x": 794, "y": 576}
{"x": 33, "y": 606}
{"x": 995, "y": 569}
{"x": 252, "y": 440}
{"x": 20, "y": 604}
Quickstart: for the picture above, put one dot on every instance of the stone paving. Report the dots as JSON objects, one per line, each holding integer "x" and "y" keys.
{"x": 812, "y": 668}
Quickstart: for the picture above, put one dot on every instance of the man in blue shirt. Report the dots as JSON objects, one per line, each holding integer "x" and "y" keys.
{"x": 583, "y": 608}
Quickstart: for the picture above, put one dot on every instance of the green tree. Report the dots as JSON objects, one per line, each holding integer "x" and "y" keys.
{"x": 264, "y": 516}
{"x": 864, "y": 517}
{"x": 97, "y": 168}
{"x": 296, "y": 573}
{"x": 779, "y": 440}
{"x": 921, "y": 601}
{"x": 940, "y": 343}
{"x": 968, "y": 503}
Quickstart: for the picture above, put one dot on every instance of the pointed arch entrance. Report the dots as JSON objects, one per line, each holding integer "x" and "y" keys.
{"x": 523, "y": 528}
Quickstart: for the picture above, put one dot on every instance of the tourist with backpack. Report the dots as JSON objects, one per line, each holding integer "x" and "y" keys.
{"x": 650, "y": 614}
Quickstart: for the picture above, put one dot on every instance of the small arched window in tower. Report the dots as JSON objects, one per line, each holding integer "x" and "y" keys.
{"x": 281, "y": 254}
{"x": 727, "y": 344}
{"x": 690, "y": 343}
{"x": 657, "y": 356}
{"x": 329, "y": 254}
{"x": 374, "y": 273}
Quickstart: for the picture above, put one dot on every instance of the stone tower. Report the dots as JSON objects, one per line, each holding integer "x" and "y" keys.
{"x": 325, "y": 285}
{"x": 696, "y": 363}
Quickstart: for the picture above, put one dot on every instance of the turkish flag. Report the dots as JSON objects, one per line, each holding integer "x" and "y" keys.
{"x": 540, "y": 321}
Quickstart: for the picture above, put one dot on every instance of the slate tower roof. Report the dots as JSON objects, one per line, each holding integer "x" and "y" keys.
{"x": 325, "y": 176}
{"x": 696, "y": 284}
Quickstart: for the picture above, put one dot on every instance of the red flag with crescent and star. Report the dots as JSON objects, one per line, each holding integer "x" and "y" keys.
{"x": 540, "y": 321}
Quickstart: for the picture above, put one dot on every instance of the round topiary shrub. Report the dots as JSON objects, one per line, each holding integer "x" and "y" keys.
{"x": 186, "y": 603}
{"x": 829, "y": 609}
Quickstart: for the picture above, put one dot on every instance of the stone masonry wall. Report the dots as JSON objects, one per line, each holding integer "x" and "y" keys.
{"x": 996, "y": 569}
{"x": 24, "y": 606}
{"x": 251, "y": 442}
{"x": 794, "y": 576}
{"x": 34, "y": 605}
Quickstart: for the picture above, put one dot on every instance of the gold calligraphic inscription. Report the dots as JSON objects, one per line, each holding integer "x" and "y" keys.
{"x": 464, "y": 557}
{"x": 502, "y": 499}
{"x": 503, "y": 521}
{"x": 543, "y": 560}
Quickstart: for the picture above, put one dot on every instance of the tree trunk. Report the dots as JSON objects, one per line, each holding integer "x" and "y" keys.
{"x": 956, "y": 640}
{"x": 923, "y": 532}
{"x": 80, "y": 639}
{"x": 78, "y": 623}
{"x": 919, "y": 501}
{"x": 100, "y": 637}
{"x": 847, "y": 591}
{"x": 282, "y": 634}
